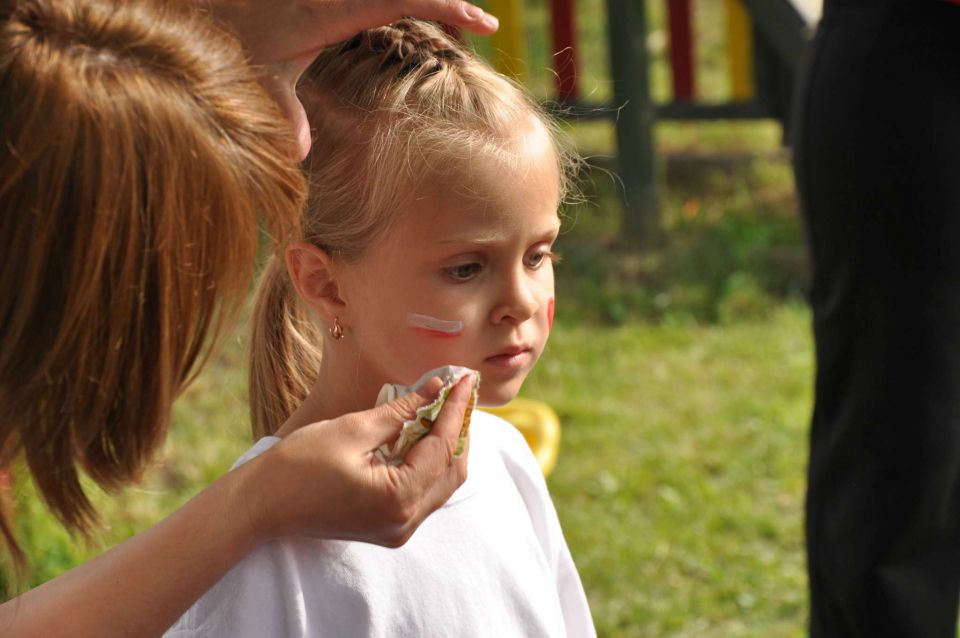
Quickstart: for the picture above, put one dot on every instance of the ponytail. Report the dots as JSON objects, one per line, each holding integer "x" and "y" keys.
{"x": 285, "y": 351}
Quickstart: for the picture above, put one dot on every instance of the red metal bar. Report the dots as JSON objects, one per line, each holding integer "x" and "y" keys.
{"x": 564, "y": 54}
{"x": 681, "y": 49}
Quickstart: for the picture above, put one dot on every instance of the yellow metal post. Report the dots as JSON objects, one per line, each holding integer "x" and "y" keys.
{"x": 740, "y": 48}
{"x": 510, "y": 41}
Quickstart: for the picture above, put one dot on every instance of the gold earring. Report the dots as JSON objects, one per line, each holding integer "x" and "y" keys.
{"x": 336, "y": 330}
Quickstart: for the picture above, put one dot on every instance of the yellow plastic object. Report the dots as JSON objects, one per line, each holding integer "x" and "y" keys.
{"x": 539, "y": 425}
{"x": 740, "y": 43}
{"x": 510, "y": 40}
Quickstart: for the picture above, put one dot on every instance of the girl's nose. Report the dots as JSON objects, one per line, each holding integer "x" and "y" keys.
{"x": 519, "y": 299}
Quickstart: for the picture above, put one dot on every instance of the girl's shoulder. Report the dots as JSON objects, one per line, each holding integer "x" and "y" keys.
{"x": 490, "y": 431}
{"x": 497, "y": 440}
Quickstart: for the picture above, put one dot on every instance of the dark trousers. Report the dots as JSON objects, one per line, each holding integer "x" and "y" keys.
{"x": 878, "y": 170}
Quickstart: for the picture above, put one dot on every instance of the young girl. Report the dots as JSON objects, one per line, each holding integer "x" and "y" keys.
{"x": 427, "y": 241}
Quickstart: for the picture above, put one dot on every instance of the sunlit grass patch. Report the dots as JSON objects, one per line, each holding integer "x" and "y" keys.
{"x": 680, "y": 478}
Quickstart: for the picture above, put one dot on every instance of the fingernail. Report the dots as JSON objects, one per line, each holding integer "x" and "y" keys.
{"x": 473, "y": 12}
{"x": 492, "y": 21}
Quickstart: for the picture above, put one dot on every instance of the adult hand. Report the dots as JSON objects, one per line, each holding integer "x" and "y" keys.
{"x": 323, "y": 479}
{"x": 284, "y": 36}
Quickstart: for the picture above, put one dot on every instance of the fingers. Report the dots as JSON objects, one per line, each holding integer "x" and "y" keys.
{"x": 335, "y": 20}
{"x": 434, "y": 453}
{"x": 365, "y": 14}
{"x": 450, "y": 421}
{"x": 454, "y": 12}
{"x": 360, "y": 498}
{"x": 382, "y": 424}
{"x": 403, "y": 408}
{"x": 431, "y": 389}
{"x": 284, "y": 42}
{"x": 280, "y": 82}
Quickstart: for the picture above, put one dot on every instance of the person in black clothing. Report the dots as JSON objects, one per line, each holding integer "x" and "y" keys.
{"x": 878, "y": 171}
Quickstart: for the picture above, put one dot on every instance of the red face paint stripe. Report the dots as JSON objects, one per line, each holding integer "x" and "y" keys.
{"x": 435, "y": 333}
{"x": 550, "y": 306}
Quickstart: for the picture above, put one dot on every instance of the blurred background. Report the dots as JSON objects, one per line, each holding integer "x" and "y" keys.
{"x": 680, "y": 364}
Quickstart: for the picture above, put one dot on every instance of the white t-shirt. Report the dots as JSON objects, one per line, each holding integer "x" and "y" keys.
{"x": 491, "y": 562}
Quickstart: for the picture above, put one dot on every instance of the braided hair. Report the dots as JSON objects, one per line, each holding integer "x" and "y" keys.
{"x": 408, "y": 45}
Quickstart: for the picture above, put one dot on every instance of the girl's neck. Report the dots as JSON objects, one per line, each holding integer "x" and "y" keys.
{"x": 337, "y": 392}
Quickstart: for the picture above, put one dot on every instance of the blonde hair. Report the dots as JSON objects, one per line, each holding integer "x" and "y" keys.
{"x": 392, "y": 108}
{"x": 137, "y": 152}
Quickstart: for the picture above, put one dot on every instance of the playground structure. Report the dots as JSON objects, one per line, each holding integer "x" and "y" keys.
{"x": 767, "y": 41}
{"x": 766, "y": 45}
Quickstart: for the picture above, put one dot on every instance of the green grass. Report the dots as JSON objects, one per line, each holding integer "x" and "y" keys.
{"x": 680, "y": 477}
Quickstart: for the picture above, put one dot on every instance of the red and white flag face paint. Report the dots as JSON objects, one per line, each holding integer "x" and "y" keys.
{"x": 550, "y": 306}
{"x": 433, "y": 327}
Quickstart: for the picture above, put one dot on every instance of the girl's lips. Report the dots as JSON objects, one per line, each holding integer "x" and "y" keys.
{"x": 512, "y": 358}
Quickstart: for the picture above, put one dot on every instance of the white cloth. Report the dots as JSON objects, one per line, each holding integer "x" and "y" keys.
{"x": 491, "y": 562}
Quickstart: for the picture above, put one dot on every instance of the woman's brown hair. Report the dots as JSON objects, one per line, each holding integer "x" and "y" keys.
{"x": 137, "y": 153}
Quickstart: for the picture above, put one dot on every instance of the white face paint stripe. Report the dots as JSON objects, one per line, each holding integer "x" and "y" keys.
{"x": 432, "y": 323}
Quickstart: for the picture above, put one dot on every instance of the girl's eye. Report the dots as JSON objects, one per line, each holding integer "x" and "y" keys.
{"x": 535, "y": 260}
{"x": 463, "y": 272}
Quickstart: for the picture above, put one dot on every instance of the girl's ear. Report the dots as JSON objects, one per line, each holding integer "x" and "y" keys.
{"x": 314, "y": 276}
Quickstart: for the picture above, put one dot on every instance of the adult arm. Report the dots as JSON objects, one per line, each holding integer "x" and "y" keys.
{"x": 322, "y": 480}
{"x": 284, "y": 36}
